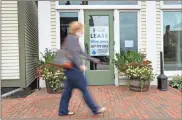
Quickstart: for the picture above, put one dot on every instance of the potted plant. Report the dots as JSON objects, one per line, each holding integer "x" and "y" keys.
{"x": 54, "y": 77}
{"x": 138, "y": 70}
{"x": 125, "y": 57}
{"x": 140, "y": 75}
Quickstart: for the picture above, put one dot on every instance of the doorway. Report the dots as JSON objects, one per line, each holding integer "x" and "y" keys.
{"x": 99, "y": 43}
{"x": 65, "y": 19}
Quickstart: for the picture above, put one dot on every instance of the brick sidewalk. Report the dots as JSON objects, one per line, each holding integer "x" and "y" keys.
{"x": 122, "y": 104}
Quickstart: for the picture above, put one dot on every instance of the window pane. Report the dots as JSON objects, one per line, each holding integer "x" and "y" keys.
{"x": 65, "y": 19}
{"x": 99, "y": 41}
{"x": 128, "y": 31}
{"x": 172, "y": 40}
{"x": 98, "y": 2}
{"x": 172, "y": 2}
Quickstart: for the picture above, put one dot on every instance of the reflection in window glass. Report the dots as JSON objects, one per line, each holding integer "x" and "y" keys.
{"x": 173, "y": 2}
{"x": 128, "y": 31}
{"x": 172, "y": 40}
{"x": 98, "y": 2}
{"x": 65, "y": 19}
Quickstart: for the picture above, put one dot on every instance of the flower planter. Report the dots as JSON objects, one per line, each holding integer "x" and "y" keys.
{"x": 50, "y": 89}
{"x": 135, "y": 85}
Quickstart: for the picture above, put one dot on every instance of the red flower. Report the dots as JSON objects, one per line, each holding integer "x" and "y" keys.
{"x": 39, "y": 70}
{"x": 145, "y": 62}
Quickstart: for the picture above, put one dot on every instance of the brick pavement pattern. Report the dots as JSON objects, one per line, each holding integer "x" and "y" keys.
{"x": 122, "y": 104}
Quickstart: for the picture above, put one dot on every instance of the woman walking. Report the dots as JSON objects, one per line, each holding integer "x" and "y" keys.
{"x": 75, "y": 76}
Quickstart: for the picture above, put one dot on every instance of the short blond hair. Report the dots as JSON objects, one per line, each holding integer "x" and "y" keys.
{"x": 74, "y": 26}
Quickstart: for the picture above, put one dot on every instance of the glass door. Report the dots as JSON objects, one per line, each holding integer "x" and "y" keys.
{"x": 99, "y": 43}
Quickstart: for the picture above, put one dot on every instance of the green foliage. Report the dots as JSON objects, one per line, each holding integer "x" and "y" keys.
{"x": 176, "y": 82}
{"x": 139, "y": 70}
{"x": 51, "y": 74}
{"x": 133, "y": 56}
{"x": 127, "y": 57}
{"x": 133, "y": 65}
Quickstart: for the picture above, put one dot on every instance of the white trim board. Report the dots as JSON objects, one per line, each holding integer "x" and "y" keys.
{"x": 117, "y": 43}
{"x": 169, "y": 7}
{"x": 71, "y": 7}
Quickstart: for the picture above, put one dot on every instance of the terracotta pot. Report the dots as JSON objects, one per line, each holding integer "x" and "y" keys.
{"x": 135, "y": 85}
{"x": 48, "y": 88}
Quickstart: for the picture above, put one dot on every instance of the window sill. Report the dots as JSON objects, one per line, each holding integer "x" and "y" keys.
{"x": 172, "y": 73}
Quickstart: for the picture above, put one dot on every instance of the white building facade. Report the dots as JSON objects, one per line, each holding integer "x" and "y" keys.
{"x": 147, "y": 26}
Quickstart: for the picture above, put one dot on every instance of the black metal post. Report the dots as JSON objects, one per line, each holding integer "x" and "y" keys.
{"x": 162, "y": 79}
{"x": 38, "y": 83}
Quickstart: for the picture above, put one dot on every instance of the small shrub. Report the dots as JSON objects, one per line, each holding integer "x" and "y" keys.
{"x": 126, "y": 57}
{"x": 176, "y": 82}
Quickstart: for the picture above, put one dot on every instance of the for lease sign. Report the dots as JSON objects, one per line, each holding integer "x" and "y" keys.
{"x": 99, "y": 41}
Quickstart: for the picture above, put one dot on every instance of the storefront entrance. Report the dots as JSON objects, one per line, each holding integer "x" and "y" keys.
{"x": 99, "y": 43}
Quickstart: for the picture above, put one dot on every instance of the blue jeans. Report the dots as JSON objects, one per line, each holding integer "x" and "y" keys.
{"x": 75, "y": 79}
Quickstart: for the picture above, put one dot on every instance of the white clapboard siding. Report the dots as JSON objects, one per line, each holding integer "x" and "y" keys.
{"x": 31, "y": 40}
{"x": 53, "y": 24}
{"x": 158, "y": 35}
{"x": 9, "y": 43}
{"x": 142, "y": 40}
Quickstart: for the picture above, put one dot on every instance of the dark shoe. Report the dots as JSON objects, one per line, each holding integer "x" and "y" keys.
{"x": 69, "y": 113}
{"x": 101, "y": 110}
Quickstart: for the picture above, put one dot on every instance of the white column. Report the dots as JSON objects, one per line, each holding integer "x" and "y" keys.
{"x": 81, "y": 20}
{"x": 44, "y": 29}
{"x": 151, "y": 34}
{"x": 117, "y": 43}
{"x": 82, "y": 39}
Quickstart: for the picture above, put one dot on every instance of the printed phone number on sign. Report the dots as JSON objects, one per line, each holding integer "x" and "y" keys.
{"x": 99, "y": 46}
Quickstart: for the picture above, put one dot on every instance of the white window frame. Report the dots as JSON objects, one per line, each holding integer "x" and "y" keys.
{"x": 58, "y": 40}
{"x": 117, "y": 37}
{"x": 168, "y": 8}
{"x": 72, "y": 7}
{"x": 138, "y": 26}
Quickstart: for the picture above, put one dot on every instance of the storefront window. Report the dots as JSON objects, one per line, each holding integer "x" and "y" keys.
{"x": 98, "y": 3}
{"x": 173, "y": 2}
{"x": 172, "y": 40}
{"x": 128, "y": 31}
